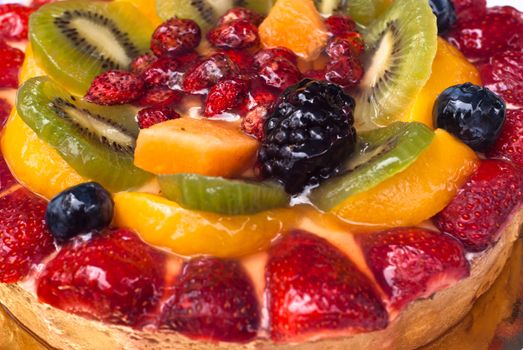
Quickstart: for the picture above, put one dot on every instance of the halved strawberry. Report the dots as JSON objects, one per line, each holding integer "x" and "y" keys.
{"x": 227, "y": 94}
{"x": 6, "y": 178}
{"x": 213, "y": 299}
{"x": 24, "y": 237}
{"x": 112, "y": 277}
{"x": 313, "y": 287}
{"x": 115, "y": 87}
{"x": 470, "y": 10}
{"x": 407, "y": 266}
{"x": 14, "y": 20}
{"x": 509, "y": 144}
{"x": 503, "y": 74}
{"x": 11, "y": 60}
{"x": 5, "y": 110}
{"x": 477, "y": 213}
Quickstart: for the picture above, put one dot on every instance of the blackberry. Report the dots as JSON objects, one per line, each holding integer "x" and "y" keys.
{"x": 309, "y": 134}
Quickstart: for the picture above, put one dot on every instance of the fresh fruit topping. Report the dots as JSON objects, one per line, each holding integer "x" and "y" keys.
{"x": 241, "y": 13}
{"x": 113, "y": 277}
{"x": 200, "y": 233}
{"x": 159, "y": 96}
{"x": 97, "y": 141}
{"x": 24, "y": 238}
{"x": 225, "y": 95}
{"x": 470, "y": 10}
{"x": 300, "y": 18}
{"x": 380, "y": 154}
{"x": 176, "y": 36}
{"x": 11, "y": 60}
{"x": 315, "y": 74}
{"x": 5, "y": 110}
{"x": 339, "y": 25}
{"x": 219, "y": 195}
{"x": 155, "y": 115}
{"x": 408, "y": 266}
{"x": 14, "y": 20}
{"x": 254, "y": 121}
{"x": 65, "y": 37}
{"x": 160, "y": 72}
{"x": 195, "y": 146}
{"x": 115, "y": 88}
{"x": 472, "y": 113}
{"x": 6, "y": 178}
{"x": 364, "y": 12}
{"x": 207, "y": 73}
{"x": 345, "y": 71}
{"x": 141, "y": 63}
{"x": 238, "y": 34}
{"x": 280, "y": 73}
{"x": 242, "y": 59}
{"x": 483, "y": 204}
{"x": 264, "y": 56}
{"x": 313, "y": 287}
{"x": 342, "y": 47}
{"x": 449, "y": 68}
{"x": 308, "y": 135}
{"x": 445, "y": 13}
{"x": 404, "y": 34}
{"x": 479, "y": 41}
{"x": 419, "y": 192}
{"x": 78, "y": 210}
{"x": 509, "y": 144}
{"x": 503, "y": 74}
{"x": 213, "y": 299}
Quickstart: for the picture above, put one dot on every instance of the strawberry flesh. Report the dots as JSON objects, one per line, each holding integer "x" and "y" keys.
{"x": 407, "y": 267}
{"x": 509, "y": 144}
{"x": 312, "y": 287}
{"x": 115, "y": 88}
{"x": 503, "y": 74}
{"x": 11, "y": 60}
{"x": 477, "y": 213}
{"x": 14, "y": 19}
{"x": 213, "y": 299}
{"x": 224, "y": 96}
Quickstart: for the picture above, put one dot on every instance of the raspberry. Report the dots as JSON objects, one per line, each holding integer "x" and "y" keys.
{"x": 280, "y": 73}
{"x": 159, "y": 96}
{"x": 238, "y": 13}
{"x": 238, "y": 34}
{"x": 252, "y": 123}
{"x": 160, "y": 71}
{"x": 339, "y": 25}
{"x": 264, "y": 56}
{"x": 503, "y": 74}
{"x": 11, "y": 61}
{"x": 224, "y": 96}
{"x": 207, "y": 73}
{"x": 176, "y": 36}
{"x": 308, "y": 135}
{"x": 346, "y": 71}
{"x": 14, "y": 20}
{"x": 115, "y": 87}
{"x": 141, "y": 63}
{"x": 154, "y": 115}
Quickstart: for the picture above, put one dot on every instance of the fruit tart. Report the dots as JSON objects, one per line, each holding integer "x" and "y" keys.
{"x": 248, "y": 174}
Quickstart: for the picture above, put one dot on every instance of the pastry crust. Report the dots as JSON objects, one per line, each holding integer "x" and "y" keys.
{"x": 417, "y": 325}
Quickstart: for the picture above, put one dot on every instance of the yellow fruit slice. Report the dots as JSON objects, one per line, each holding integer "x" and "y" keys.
{"x": 417, "y": 193}
{"x": 450, "y": 68}
{"x": 186, "y": 232}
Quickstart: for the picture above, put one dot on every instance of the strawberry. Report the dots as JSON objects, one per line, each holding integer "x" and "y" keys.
{"x": 243, "y": 60}
{"x": 176, "y": 36}
{"x": 346, "y": 71}
{"x": 160, "y": 71}
{"x": 470, "y": 10}
{"x": 141, "y": 63}
{"x": 227, "y": 94}
{"x": 14, "y": 21}
{"x": 5, "y": 110}
{"x": 24, "y": 237}
{"x": 406, "y": 265}
{"x": 499, "y": 30}
{"x": 483, "y": 205}
{"x": 339, "y": 25}
{"x": 503, "y": 74}
{"x": 207, "y": 73}
{"x": 509, "y": 144}
{"x": 159, "y": 96}
{"x": 238, "y": 13}
{"x": 264, "y": 56}
{"x": 253, "y": 122}
{"x": 280, "y": 73}
{"x": 112, "y": 277}
{"x": 312, "y": 287}
{"x": 213, "y": 299}
{"x": 114, "y": 88}
{"x": 154, "y": 115}
{"x": 11, "y": 60}
{"x": 6, "y": 178}
{"x": 237, "y": 34}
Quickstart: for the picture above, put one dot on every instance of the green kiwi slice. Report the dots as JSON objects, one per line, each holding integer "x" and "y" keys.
{"x": 366, "y": 11}
{"x": 207, "y": 12}
{"x": 381, "y": 154}
{"x": 401, "y": 46}
{"x": 97, "y": 141}
{"x": 328, "y": 7}
{"x": 223, "y": 196}
{"x": 76, "y": 40}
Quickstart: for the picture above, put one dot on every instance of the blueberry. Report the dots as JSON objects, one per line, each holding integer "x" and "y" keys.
{"x": 445, "y": 13}
{"x": 80, "y": 209}
{"x": 472, "y": 113}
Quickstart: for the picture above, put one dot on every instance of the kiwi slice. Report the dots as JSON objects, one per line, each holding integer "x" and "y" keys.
{"x": 381, "y": 154}
{"x": 223, "y": 196}
{"x": 401, "y": 45}
{"x": 74, "y": 41}
{"x": 97, "y": 141}
{"x": 366, "y": 11}
{"x": 207, "y": 12}
{"x": 328, "y": 7}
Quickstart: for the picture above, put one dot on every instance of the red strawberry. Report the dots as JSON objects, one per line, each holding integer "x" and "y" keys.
{"x": 470, "y": 10}
{"x": 346, "y": 71}
{"x": 509, "y": 144}
{"x": 160, "y": 71}
{"x": 316, "y": 74}
{"x": 176, "y": 36}
{"x": 11, "y": 60}
{"x": 159, "y": 96}
{"x": 24, "y": 237}
{"x": 154, "y": 115}
{"x": 483, "y": 205}
{"x": 225, "y": 95}
{"x": 499, "y": 30}
{"x": 207, "y": 73}
{"x": 237, "y": 13}
{"x": 313, "y": 287}
{"x": 141, "y": 63}
{"x": 213, "y": 299}
{"x": 339, "y": 25}
{"x": 112, "y": 277}
{"x": 253, "y": 122}
{"x": 238, "y": 34}
{"x": 503, "y": 74}
{"x": 260, "y": 95}
{"x": 264, "y": 56}
{"x": 14, "y": 20}
{"x": 406, "y": 265}
{"x": 243, "y": 60}
{"x": 5, "y": 110}
{"x": 6, "y": 178}
{"x": 280, "y": 73}
{"x": 115, "y": 87}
